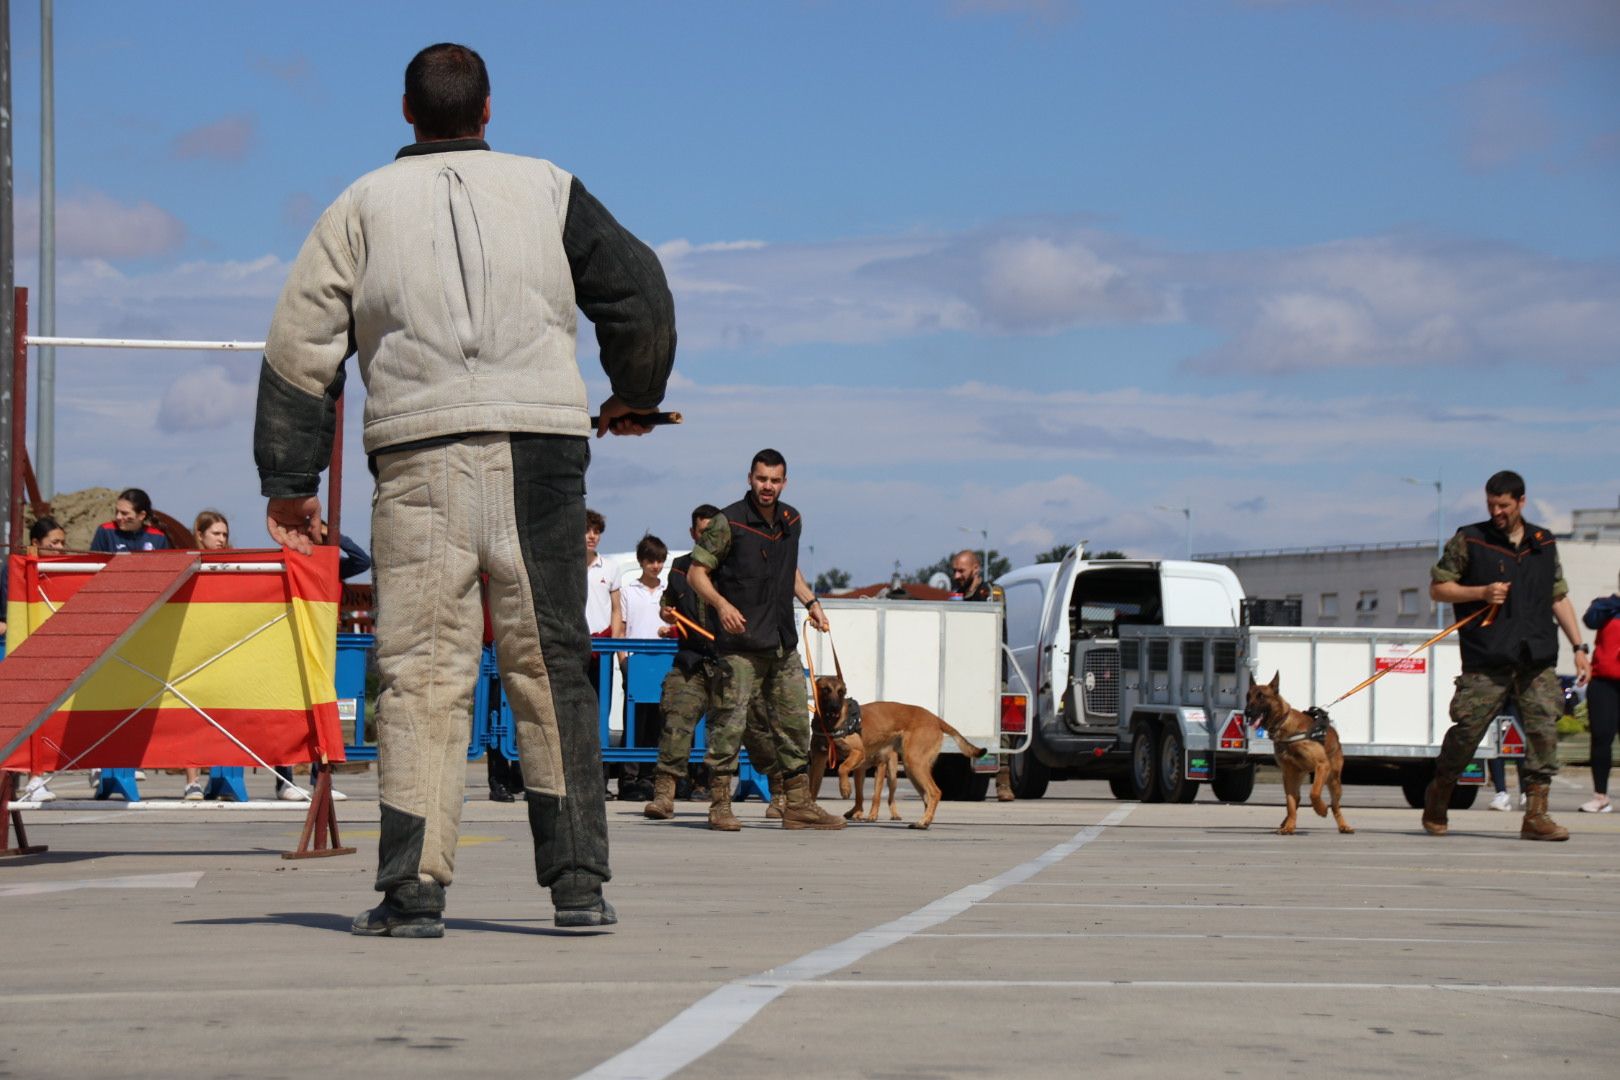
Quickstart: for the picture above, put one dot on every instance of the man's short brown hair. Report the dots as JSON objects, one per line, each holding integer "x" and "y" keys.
{"x": 595, "y": 522}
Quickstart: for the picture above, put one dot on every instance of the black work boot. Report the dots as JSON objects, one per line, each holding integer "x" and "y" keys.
{"x": 412, "y": 910}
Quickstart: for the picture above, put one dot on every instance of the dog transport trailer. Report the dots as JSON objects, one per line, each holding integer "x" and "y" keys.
{"x": 943, "y": 655}
{"x": 1057, "y": 615}
{"x": 1175, "y": 703}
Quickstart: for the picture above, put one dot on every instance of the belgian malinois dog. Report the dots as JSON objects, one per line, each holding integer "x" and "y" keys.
{"x": 914, "y": 732}
{"x": 1303, "y": 743}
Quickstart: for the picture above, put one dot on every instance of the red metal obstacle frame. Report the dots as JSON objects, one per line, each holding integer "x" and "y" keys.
{"x": 66, "y": 658}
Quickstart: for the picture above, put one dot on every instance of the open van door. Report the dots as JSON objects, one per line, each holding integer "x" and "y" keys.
{"x": 1200, "y": 594}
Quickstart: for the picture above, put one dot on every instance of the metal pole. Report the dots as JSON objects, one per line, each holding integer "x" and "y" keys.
{"x": 1188, "y": 512}
{"x": 45, "y": 410}
{"x": 19, "y": 413}
{"x": 7, "y": 266}
{"x": 1439, "y": 539}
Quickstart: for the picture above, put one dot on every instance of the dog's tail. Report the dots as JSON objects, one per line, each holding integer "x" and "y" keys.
{"x": 962, "y": 744}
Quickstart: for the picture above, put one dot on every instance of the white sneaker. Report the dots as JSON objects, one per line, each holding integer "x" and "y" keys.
{"x": 1502, "y": 801}
{"x": 194, "y": 793}
{"x": 338, "y": 796}
{"x": 36, "y": 791}
{"x": 288, "y": 793}
{"x": 95, "y": 777}
{"x": 1597, "y": 804}
{"x": 1524, "y": 800}
{"x": 140, "y": 774}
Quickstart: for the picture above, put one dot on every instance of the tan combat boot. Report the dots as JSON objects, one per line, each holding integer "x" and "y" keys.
{"x": 1537, "y": 825}
{"x": 778, "y": 803}
{"x": 801, "y": 811}
{"x": 662, "y": 807}
{"x": 721, "y": 819}
{"x": 1004, "y": 791}
{"x": 1435, "y": 801}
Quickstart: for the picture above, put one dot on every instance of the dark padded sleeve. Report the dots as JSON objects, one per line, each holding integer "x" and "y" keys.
{"x": 620, "y": 286}
{"x": 292, "y": 435}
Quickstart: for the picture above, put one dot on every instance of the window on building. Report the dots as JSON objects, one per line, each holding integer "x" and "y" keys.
{"x": 1409, "y": 601}
{"x": 1330, "y": 605}
{"x": 1367, "y": 602}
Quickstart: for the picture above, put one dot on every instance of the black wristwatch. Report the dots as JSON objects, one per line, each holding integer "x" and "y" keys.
{"x": 1582, "y": 647}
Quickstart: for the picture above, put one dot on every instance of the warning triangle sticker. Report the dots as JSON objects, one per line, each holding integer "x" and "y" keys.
{"x": 1512, "y": 740}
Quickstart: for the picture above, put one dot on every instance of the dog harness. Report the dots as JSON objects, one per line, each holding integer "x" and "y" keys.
{"x": 852, "y": 719}
{"x": 1320, "y": 722}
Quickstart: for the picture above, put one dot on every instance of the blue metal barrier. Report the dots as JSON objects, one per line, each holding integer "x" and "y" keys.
{"x": 350, "y": 683}
{"x": 228, "y": 782}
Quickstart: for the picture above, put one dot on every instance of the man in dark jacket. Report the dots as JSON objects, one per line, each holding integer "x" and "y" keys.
{"x": 746, "y": 567}
{"x": 454, "y": 273}
{"x": 1508, "y": 567}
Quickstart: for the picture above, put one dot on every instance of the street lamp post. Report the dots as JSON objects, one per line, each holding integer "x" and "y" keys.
{"x": 1185, "y": 511}
{"x": 1439, "y": 529}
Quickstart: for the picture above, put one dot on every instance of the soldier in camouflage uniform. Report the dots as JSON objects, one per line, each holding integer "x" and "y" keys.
{"x": 1508, "y": 563}
{"x": 746, "y": 566}
{"x": 687, "y": 690}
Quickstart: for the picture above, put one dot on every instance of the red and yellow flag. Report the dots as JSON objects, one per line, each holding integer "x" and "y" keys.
{"x": 250, "y": 640}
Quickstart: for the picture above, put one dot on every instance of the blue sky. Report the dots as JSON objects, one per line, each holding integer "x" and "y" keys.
{"x": 1031, "y": 267}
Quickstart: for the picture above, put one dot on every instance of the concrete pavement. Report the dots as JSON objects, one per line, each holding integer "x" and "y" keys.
{"x": 1045, "y": 938}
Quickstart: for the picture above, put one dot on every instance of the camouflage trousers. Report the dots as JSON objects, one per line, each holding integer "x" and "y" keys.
{"x": 1479, "y": 699}
{"x": 686, "y": 698}
{"x": 775, "y": 680}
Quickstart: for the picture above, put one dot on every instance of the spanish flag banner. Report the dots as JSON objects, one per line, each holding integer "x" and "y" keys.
{"x": 236, "y": 668}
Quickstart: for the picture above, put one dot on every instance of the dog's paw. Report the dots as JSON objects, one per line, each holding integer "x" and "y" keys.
{"x": 849, "y": 815}
{"x": 894, "y": 815}
{"x": 1320, "y": 807}
{"x": 916, "y": 825}
{"x": 1285, "y": 830}
{"x": 845, "y": 788}
{"x": 1347, "y": 830}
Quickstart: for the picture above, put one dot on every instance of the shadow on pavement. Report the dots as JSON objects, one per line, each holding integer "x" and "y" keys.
{"x": 327, "y": 920}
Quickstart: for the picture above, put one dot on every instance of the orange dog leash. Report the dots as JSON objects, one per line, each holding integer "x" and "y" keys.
{"x": 1490, "y": 617}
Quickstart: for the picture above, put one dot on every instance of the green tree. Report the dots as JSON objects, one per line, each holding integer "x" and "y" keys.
{"x": 1056, "y": 554}
{"x": 831, "y": 580}
{"x": 1111, "y": 553}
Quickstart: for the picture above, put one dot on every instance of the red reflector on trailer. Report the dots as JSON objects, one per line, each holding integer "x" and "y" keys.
{"x": 1233, "y": 736}
{"x": 1014, "y": 708}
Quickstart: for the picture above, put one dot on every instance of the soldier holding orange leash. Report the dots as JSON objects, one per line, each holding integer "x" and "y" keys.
{"x": 1510, "y": 563}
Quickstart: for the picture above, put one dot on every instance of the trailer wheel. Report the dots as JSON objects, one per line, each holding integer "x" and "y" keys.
{"x": 957, "y": 781}
{"x": 1233, "y": 785}
{"x": 1027, "y": 774}
{"x": 1145, "y": 765}
{"x": 1462, "y": 797}
{"x": 1414, "y": 784}
{"x": 1173, "y": 780}
{"x": 1120, "y": 784}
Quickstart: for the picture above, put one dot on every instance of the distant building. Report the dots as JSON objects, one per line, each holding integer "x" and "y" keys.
{"x": 1388, "y": 584}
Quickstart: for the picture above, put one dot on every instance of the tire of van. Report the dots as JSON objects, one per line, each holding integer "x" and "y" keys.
{"x": 1145, "y": 765}
{"x": 1233, "y": 785}
{"x": 1414, "y": 783}
{"x": 1028, "y": 775}
{"x": 1120, "y": 784}
{"x": 1172, "y": 761}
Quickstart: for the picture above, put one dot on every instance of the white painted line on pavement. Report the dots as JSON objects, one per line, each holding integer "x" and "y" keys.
{"x": 709, "y": 1022}
{"x": 1089, "y": 935}
{"x": 1317, "y": 885}
{"x": 1187, "y": 984}
{"x": 185, "y": 880}
{"x": 1303, "y": 907}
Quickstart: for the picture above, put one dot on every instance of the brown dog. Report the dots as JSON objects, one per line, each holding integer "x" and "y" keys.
{"x": 913, "y": 731}
{"x": 1295, "y": 735}
{"x": 886, "y": 765}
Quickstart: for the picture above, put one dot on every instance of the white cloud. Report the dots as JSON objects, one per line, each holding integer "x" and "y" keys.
{"x": 228, "y": 139}
{"x": 93, "y": 225}
{"x": 207, "y": 399}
